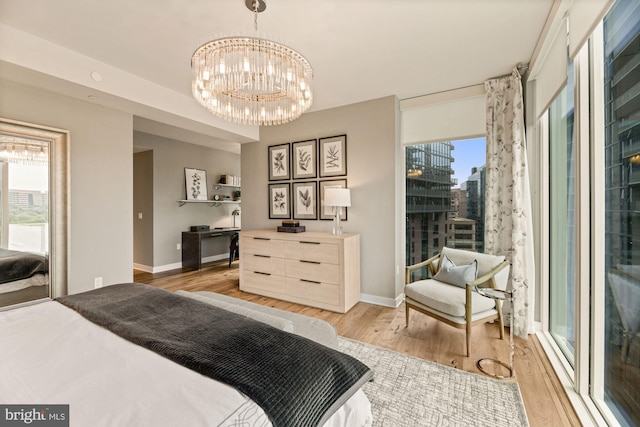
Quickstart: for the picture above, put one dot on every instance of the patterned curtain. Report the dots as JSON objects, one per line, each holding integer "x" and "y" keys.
{"x": 508, "y": 222}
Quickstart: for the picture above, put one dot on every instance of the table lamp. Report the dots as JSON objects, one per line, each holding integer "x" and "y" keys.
{"x": 235, "y": 213}
{"x": 338, "y": 198}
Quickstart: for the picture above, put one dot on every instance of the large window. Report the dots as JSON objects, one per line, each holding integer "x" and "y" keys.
{"x": 622, "y": 210}
{"x": 593, "y": 296}
{"x": 562, "y": 238}
{"x": 445, "y": 184}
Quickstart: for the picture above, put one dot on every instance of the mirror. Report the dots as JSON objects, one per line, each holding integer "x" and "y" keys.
{"x": 33, "y": 212}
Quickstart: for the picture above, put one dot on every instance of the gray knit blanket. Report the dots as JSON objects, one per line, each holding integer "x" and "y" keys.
{"x": 17, "y": 265}
{"x": 296, "y": 381}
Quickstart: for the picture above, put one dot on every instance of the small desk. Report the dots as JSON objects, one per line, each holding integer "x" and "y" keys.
{"x": 192, "y": 245}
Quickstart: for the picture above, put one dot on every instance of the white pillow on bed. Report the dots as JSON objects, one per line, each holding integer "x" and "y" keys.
{"x": 276, "y": 322}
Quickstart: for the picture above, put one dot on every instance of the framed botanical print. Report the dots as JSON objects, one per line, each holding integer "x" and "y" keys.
{"x": 304, "y": 196}
{"x": 326, "y": 212}
{"x": 279, "y": 201}
{"x": 195, "y": 182}
{"x": 304, "y": 159}
{"x": 279, "y": 162}
{"x": 333, "y": 156}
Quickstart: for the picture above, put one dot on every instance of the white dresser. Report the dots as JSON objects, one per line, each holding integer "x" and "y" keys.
{"x": 311, "y": 268}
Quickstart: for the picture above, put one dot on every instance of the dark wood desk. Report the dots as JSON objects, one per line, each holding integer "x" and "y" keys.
{"x": 192, "y": 245}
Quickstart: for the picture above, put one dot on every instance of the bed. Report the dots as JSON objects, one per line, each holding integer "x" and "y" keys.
{"x": 53, "y": 354}
{"x": 24, "y": 276}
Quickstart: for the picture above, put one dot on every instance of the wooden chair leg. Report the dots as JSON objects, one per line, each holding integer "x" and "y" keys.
{"x": 468, "y": 339}
{"x": 406, "y": 313}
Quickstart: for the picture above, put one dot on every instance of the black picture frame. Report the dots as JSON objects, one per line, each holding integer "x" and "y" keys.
{"x": 304, "y": 197}
{"x": 325, "y": 212}
{"x": 195, "y": 184}
{"x": 280, "y": 201}
{"x": 304, "y": 156}
{"x": 279, "y": 157}
{"x": 332, "y": 156}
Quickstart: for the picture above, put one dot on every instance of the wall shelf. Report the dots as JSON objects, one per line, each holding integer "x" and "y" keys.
{"x": 219, "y": 186}
{"x": 211, "y": 203}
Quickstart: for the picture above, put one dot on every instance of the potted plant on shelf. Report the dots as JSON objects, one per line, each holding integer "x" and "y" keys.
{"x": 236, "y": 195}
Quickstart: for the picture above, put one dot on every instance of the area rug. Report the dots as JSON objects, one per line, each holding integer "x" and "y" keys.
{"x": 408, "y": 391}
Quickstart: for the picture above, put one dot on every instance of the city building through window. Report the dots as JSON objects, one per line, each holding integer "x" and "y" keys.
{"x": 444, "y": 197}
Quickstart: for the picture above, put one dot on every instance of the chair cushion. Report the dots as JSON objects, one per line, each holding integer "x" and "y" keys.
{"x": 486, "y": 262}
{"x": 456, "y": 275}
{"x": 446, "y": 298}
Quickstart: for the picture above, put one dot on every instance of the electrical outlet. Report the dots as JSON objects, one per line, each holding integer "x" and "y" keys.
{"x": 97, "y": 282}
{"x": 178, "y": 246}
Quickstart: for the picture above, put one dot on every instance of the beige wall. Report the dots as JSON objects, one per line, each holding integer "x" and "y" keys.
{"x": 170, "y": 157}
{"x": 101, "y": 193}
{"x": 102, "y": 214}
{"x": 373, "y": 153}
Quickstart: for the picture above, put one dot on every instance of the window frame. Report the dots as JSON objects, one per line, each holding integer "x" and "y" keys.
{"x": 585, "y": 383}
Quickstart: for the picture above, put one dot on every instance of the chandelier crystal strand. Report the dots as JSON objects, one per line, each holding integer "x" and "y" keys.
{"x": 251, "y": 80}
{"x": 28, "y": 153}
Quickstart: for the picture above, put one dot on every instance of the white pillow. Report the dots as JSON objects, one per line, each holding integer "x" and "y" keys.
{"x": 456, "y": 275}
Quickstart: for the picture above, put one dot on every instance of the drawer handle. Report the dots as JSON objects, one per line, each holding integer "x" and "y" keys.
{"x": 310, "y": 262}
{"x": 261, "y": 238}
{"x": 310, "y": 281}
{"x": 264, "y": 274}
{"x": 215, "y": 235}
{"x": 262, "y": 256}
{"x": 309, "y": 243}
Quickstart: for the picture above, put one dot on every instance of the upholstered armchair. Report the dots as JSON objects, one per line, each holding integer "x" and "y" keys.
{"x": 449, "y": 296}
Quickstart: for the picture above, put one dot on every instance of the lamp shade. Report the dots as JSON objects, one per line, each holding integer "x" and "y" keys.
{"x": 337, "y": 197}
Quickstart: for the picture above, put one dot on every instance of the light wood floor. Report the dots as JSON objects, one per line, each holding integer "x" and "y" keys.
{"x": 544, "y": 398}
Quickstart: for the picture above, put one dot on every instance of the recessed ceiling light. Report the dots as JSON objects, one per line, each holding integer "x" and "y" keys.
{"x": 96, "y": 76}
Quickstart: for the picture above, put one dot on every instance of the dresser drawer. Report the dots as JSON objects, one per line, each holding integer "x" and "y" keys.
{"x": 313, "y": 251}
{"x": 260, "y": 281}
{"x": 312, "y": 291}
{"x": 262, "y": 246}
{"x": 263, "y": 263}
{"x": 314, "y": 271}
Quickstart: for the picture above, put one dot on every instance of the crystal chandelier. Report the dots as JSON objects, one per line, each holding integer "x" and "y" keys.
{"x": 251, "y": 80}
{"x": 21, "y": 151}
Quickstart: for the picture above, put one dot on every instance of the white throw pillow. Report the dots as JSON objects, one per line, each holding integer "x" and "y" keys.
{"x": 456, "y": 275}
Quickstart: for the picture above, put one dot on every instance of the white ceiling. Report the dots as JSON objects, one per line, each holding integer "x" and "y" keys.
{"x": 359, "y": 49}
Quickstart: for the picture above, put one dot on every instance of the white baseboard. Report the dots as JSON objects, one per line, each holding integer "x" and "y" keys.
{"x": 383, "y": 301}
{"x": 176, "y": 265}
{"x": 142, "y": 267}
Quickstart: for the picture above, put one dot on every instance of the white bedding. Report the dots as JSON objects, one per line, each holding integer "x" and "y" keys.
{"x": 52, "y": 355}
{"x": 17, "y": 285}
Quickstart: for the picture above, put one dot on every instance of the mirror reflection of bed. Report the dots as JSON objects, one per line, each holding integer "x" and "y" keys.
{"x": 24, "y": 219}
{"x": 24, "y": 276}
